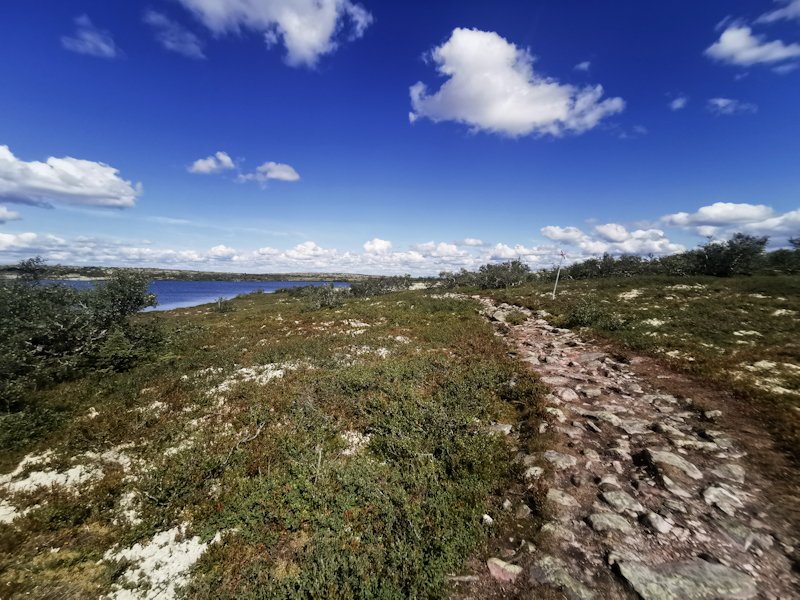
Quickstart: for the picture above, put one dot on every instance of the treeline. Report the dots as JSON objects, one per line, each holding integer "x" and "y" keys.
{"x": 327, "y": 295}
{"x": 741, "y": 255}
{"x": 51, "y": 333}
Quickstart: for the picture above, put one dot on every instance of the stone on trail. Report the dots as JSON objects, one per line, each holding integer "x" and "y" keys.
{"x": 731, "y": 472}
{"x": 724, "y": 500}
{"x": 591, "y": 356}
{"x": 502, "y": 571}
{"x": 657, "y": 523}
{"x": 560, "y": 461}
{"x": 601, "y": 522}
{"x": 622, "y": 502}
{"x": 561, "y": 498}
{"x": 692, "y": 580}
{"x": 658, "y": 459}
{"x": 551, "y": 571}
{"x": 533, "y": 472}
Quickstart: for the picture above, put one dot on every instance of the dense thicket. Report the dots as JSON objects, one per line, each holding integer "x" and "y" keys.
{"x": 327, "y": 295}
{"x": 741, "y": 255}
{"x": 51, "y": 332}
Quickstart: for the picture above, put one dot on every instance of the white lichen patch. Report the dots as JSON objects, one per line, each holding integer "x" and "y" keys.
{"x": 355, "y": 441}
{"x": 747, "y": 332}
{"x": 7, "y": 512}
{"x": 258, "y": 374}
{"x": 682, "y": 286}
{"x": 159, "y": 567}
{"x": 784, "y": 312}
{"x": 654, "y": 322}
{"x": 763, "y": 297}
{"x": 115, "y": 454}
{"x": 29, "y": 461}
{"x": 630, "y": 295}
{"x": 76, "y": 476}
{"x": 127, "y": 509}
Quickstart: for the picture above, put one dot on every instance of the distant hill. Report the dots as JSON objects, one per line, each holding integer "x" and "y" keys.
{"x": 68, "y": 273}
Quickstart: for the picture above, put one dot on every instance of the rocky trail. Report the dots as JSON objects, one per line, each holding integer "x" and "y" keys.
{"x": 651, "y": 494}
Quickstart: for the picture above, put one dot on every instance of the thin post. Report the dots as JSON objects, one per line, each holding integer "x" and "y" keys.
{"x": 561, "y": 260}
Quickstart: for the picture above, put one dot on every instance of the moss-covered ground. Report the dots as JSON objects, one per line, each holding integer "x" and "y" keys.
{"x": 334, "y": 453}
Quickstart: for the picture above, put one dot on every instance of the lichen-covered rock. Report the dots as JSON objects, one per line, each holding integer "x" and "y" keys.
{"x": 692, "y": 580}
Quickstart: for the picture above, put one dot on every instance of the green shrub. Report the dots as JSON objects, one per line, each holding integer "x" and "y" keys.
{"x": 222, "y": 306}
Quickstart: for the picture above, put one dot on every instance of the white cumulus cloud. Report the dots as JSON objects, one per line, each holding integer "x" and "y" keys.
{"x": 8, "y": 215}
{"x": 308, "y": 29}
{"x": 222, "y": 252}
{"x": 68, "y": 180}
{"x": 213, "y": 164}
{"x": 173, "y": 36}
{"x": 469, "y": 242}
{"x": 378, "y": 246}
{"x": 271, "y": 170}
{"x": 737, "y": 45}
{"x": 614, "y": 239}
{"x": 720, "y": 214}
{"x": 492, "y": 86}
{"x": 90, "y": 40}
{"x": 728, "y": 106}
{"x": 788, "y": 12}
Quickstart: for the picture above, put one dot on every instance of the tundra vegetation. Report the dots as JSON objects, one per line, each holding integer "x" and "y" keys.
{"x": 273, "y": 450}
{"x": 328, "y": 443}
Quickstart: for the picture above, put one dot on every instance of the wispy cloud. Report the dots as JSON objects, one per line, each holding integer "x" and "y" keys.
{"x": 583, "y": 66}
{"x": 90, "y": 40}
{"x": 728, "y": 106}
{"x": 679, "y": 103}
{"x": 492, "y": 87}
{"x": 738, "y": 46}
{"x": 173, "y": 36}
{"x": 788, "y": 12}
{"x": 271, "y": 170}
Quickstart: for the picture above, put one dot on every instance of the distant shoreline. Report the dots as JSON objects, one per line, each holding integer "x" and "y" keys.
{"x": 67, "y": 273}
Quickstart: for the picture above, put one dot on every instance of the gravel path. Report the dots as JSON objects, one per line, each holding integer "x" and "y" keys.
{"x": 652, "y": 499}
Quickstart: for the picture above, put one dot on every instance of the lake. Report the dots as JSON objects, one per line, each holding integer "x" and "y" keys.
{"x": 183, "y": 294}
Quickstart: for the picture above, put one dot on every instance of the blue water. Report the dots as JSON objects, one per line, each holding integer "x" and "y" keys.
{"x": 183, "y": 294}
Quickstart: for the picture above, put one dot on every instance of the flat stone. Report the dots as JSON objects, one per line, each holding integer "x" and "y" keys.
{"x": 567, "y": 394}
{"x": 523, "y": 512}
{"x": 589, "y": 357}
{"x": 560, "y": 461}
{"x": 621, "y": 501}
{"x": 724, "y": 500}
{"x": 657, "y": 459}
{"x": 555, "y": 381}
{"x": 601, "y": 522}
{"x": 571, "y": 432}
{"x": 731, "y": 472}
{"x": 593, "y": 392}
{"x": 635, "y": 427}
{"x": 487, "y": 520}
{"x": 657, "y": 523}
{"x": 502, "y": 571}
{"x": 463, "y": 578}
{"x": 558, "y": 414}
{"x": 738, "y": 533}
{"x": 558, "y": 530}
{"x": 609, "y": 480}
{"x": 695, "y": 445}
{"x": 692, "y": 580}
{"x": 674, "y": 488}
{"x": 561, "y": 498}
{"x": 551, "y": 571}
{"x": 591, "y": 454}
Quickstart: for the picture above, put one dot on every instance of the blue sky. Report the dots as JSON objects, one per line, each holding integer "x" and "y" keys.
{"x": 395, "y": 137}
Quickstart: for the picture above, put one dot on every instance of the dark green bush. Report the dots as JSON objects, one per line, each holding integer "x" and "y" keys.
{"x": 49, "y": 333}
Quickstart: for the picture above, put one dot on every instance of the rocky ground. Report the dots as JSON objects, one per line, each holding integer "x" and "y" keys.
{"x": 651, "y": 494}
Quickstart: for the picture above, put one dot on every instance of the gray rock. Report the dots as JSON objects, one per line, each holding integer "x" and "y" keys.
{"x": 622, "y": 502}
{"x": 692, "y": 580}
{"x": 592, "y": 392}
{"x": 635, "y": 427}
{"x": 712, "y": 414}
{"x": 674, "y": 488}
{"x": 571, "y": 432}
{"x": 507, "y": 505}
{"x": 731, "y": 472}
{"x": 609, "y": 480}
{"x": 591, "y": 356}
{"x": 601, "y": 522}
{"x": 668, "y": 430}
{"x": 591, "y": 454}
{"x": 657, "y": 523}
{"x": 557, "y": 413}
{"x": 737, "y": 533}
{"x": 523, "y": 511}
{"x": 723, "y": 499}
{"x": 691, "y": 444}
{"x": 503, "y": 571}
{"x": 555, "y": 381}
{"x": 504, "y": 428}
{"x": 560, "y": 461}
{"x": 556, "y": 529}
{"x": 658, "y": 459}
{"x": 561, "y": 498}
{"x": 567, "y": 394}
{"x": 551, "y": 571}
